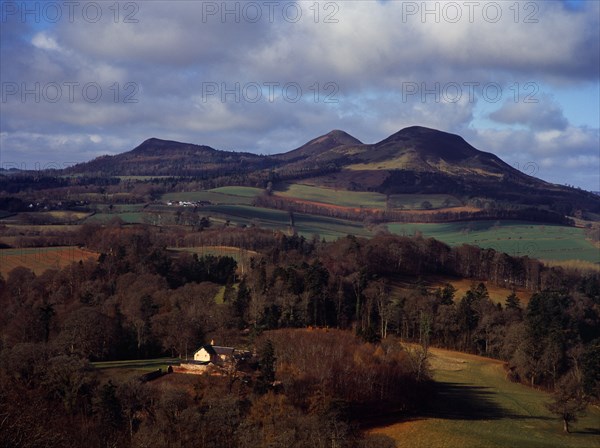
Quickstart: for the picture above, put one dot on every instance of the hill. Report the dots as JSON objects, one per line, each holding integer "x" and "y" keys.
{"x": 419, "y": 160}
{"x": 156, "y": 157}
{"x": 415, "y": 160}
{"x": 331, "y": 140}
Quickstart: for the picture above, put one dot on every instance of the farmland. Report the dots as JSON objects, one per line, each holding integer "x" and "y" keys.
{"x": 54, "y": 217}
{"x": 305, "y": 225}
{"x": 38, "y": 259}
{"x": 513, "y": 237}
{"x": 233, "y": 206}
{"x": 477, "y": 407}
{"x": 372, "y": 200}
{"x": 222, "y": 195}
{"x": 126, "y": 217}
{"x": 331, "y": 196}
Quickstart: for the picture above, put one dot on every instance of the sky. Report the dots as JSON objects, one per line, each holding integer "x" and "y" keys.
{"x": 84, "y": 79}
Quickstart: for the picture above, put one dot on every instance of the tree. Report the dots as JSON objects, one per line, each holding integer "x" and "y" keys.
{"x": 591, "y": 369}
{"x": 568, "y": 402}
{"x": 87, "y": 332}
{"x": 134, "y": 399}
{"x": 241, "y": 303}
{"x": 70, "y": 380}
{"x": 266, "y": 366}
{"x": 108, "y": 410}
{"x": 513, "y": 302}
{"x": 446, "y": 294}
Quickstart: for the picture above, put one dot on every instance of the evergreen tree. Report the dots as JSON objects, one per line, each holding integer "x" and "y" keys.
{"x": 266, "y": 365}
{"x": 446, "y": 294}
{"x": 513, "y": 302}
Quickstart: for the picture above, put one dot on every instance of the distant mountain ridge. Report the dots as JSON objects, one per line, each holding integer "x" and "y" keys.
{"x": 413, "y": 160}
{"x": 170, "y": 158}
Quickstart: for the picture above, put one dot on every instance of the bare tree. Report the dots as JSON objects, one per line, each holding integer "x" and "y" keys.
{"x": 569, "y": 401}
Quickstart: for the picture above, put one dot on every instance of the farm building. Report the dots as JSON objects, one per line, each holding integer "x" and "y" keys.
{"x": 214, "y": 353}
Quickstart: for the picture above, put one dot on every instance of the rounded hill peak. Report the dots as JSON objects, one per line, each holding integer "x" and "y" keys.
{"x": 430, "y": 143}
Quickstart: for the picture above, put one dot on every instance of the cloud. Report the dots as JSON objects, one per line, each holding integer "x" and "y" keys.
{"x": 539, "y": 114}
{"x": 44, "y": 42}
{"x": 153, "y": 72}
{"x": 570, "y": 156}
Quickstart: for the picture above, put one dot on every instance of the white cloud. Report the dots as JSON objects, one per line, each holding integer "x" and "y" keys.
{"x": 44, "y": 42}
{"x": 370, "y": 54}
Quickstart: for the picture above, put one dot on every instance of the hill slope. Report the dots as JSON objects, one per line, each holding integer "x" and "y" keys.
{"x": 415, "y": 160}
{"x": 428, "y": 161}
{"x": 169, "y": 158}
{"x": 476, "y": 406}
{"x": 333, "y": 139}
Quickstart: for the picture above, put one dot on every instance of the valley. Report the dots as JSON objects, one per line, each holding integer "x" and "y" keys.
{"x": 331, "y": 266}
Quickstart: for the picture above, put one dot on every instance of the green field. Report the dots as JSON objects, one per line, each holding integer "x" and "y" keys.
{"x": 357, "y": 199}
{"x": 122, "y": 371}
{"x": 414, "y": 201}
{"x": 127, "y": 217}
{"x": 474, "y": 406}
{"x": 305, "y": 225}
{"x": 331, "y": 196}
{"x": 516, "y": 238}
{"x": 143, "y": 365}
{"x": 127, "y": 208}
{"x": 222, "y": 195}
{"x": 247, "y": 192}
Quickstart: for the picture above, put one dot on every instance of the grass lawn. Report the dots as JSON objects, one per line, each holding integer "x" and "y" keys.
{"x": 122, "y": 371}
{"x": 475, "y": 406}
{"x": 143, "y": 365}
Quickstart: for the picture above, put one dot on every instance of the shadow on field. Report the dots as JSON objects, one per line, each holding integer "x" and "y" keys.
{"x": 593, "y": 431}
{"x": 456, "y": 401}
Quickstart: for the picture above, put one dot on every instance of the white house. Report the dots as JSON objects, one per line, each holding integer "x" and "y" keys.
{"x": 214, "y": 354}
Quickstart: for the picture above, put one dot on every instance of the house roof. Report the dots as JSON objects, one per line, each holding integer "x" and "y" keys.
{"x": 217, "y": 350}
{"x": 223, "y": 350}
